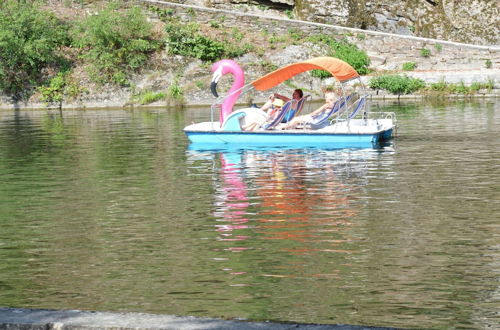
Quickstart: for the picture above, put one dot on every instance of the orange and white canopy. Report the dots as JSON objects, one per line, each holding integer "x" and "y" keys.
{"x": 337, "y": 68}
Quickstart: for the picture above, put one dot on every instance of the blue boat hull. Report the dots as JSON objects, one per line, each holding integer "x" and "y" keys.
{"x": 285, "y": 139}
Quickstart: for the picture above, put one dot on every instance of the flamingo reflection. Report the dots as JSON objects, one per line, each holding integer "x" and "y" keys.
{"x": 300, "y": 203}
{"x": 232, "y": 198}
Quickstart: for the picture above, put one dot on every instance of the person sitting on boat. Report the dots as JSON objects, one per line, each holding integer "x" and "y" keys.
{"x": 330, "y": 98}
{"x": 272, "y": 112}
{"x": 296, "y": 96}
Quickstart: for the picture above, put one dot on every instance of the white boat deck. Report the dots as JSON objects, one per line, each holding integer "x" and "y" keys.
{"x": 353, "y": 126}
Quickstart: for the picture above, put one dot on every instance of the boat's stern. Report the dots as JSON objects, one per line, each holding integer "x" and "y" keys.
{"x": 203, "y": 127}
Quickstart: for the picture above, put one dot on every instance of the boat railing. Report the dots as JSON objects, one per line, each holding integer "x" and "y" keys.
{"x": 217, "y": 105}
{"x": 380, "y": 115}
{"x": 355, "y": 104}
{"x": 383, "y": 116}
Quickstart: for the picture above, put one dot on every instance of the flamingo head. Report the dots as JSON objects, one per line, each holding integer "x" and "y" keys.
{"x": 221, "y": 68}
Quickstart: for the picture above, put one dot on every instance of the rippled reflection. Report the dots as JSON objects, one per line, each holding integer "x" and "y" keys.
{"x": 304, "y": 199}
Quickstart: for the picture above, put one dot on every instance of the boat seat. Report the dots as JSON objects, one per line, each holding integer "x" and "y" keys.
{"x": 279, "y": 116}
{"x": 286, "y": 113}
{"x": 239, "y": 118}
{"x": 360, "y": 103}
{"x": 232, "y": 123}
{"x": 322, "y": 120}
{"x": 293, "y": 113}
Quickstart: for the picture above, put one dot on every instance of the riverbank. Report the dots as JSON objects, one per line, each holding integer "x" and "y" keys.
{"x": 35, "y": 319}
{"x": 271, "y": 42}
{"x": 204, "y": 98}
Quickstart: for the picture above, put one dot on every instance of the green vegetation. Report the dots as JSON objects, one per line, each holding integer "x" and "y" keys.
{"x": 114, "y": 43}
{"x": 42, "y": 54}
{"x": 29, "y": 44}
{"x": 409, "y": 66}
{"x": 199, "y": 84}
{"x": 60, "y": 87}
{"x": 397, "y": 84}
{"x": 175, "y": 92}
{"x": 163, "y": 13}
{"x": 147, "y": 97}
{"x": 214, "y": 24}
{"x": 322, "y": 74}
{"x": 424, "y": 52}
{"x": 345, "y": 51}
{"x": 460, "y": 88}
{"x": 187, "y": 40}
{"x": 361, "y": 36}
{"x": 295, "y": 34}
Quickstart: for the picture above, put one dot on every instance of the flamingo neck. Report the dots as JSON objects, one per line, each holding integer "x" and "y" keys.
{"x": 234, "y": 94}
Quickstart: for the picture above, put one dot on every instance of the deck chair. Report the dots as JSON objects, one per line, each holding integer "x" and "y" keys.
{"x": 293, "y": 113}
{"x": 279, "y": 117}
{"x": 287, "y": 113}
{"x": 358, "y": 104}
{"x": 322, "y": 120}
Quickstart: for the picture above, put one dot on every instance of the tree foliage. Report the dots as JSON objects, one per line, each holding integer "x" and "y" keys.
{"x": 397, "y": 84}
{"x": 113, "y": 43}
{"x": 29, "y": 42}
{"x": 186, "y": 40}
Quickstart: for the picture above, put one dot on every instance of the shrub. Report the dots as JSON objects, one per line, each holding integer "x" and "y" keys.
{"x": 163, "y": 13}
{"x": 114, "y": 43}
{"x": 350, "y": 53}
{"x": 54, "y": 92}
{"x": 424, "y": 52}
{"x": 439, "y": 86}
{"x": 175, "y": 91}
{"x": 460, "y": 88}
{"x": 214, "y": 24}
{"x": 289, "y": 13}
{"x": 345, "y": 51}
{"x": 488, "y": 64}
{"x": 409, "y": 66}
{"x": 29, "y": 41}
{"x": 233, "y": 50}
{"x": 489, "y": 85}
{"x": 185, "y": 40}
{"x": 322, "y": 74}
{"x": 295, "y": 34}
{"x": 475, "y": 86}
{"x": 147, "y": 97}
{"x": 397, "y": 84}
{"x": 59, "y": 88}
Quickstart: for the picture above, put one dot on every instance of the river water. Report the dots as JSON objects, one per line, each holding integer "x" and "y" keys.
{"x": 111, "y": 210}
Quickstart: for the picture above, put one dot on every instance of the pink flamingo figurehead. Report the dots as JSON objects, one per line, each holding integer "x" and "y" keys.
{"x": 219, "y": 69}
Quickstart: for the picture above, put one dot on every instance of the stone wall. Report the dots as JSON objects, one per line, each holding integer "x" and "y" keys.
{"x": 387, "y": 51}
{"x": 471, "y": 21}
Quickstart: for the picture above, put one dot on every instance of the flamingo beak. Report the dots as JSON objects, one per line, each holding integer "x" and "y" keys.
{"x": 215, "y": 79}
{"x": 213, "y": 88}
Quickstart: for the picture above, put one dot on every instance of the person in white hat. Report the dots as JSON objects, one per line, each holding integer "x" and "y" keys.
{"x": 273, "y": 111}
{"x": 296, "y": 96}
